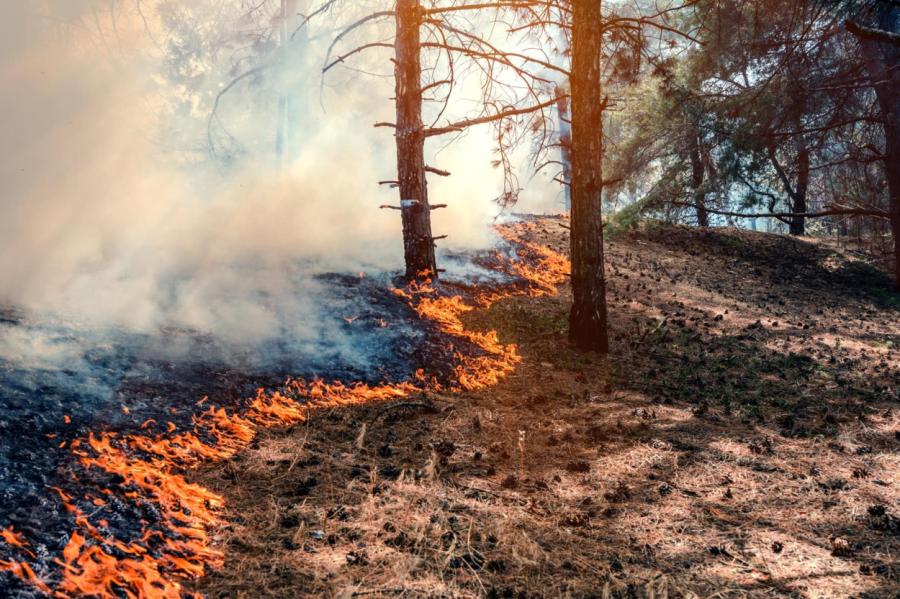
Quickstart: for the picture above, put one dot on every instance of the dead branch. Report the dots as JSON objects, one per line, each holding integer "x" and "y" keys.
{"x": 435, "y": 84}
{"x": 353, "y": 26}
{"x": 497, "y": 55}
{"x": 213, "y": 115}
{"x": 486, "y": 5}
{"x": 869, "y": 33}
{"x": 463, "y": 124}
{"x": 437, "y": 171}
{"x": 315, "y": 13}
{"x": 356, "y": 50}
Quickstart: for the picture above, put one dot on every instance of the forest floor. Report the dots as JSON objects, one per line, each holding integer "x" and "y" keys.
{"x": 742, "y": 441}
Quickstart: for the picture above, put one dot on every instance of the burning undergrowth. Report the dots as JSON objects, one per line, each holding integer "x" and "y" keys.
{"x": 100, "y": 434}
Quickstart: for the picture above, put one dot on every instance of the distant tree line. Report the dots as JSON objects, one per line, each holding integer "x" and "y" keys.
{"x": 787, "y": 110}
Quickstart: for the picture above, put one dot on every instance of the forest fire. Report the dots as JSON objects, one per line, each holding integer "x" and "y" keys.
{"x": 256, "y": 329}
{"x": 145, "y": 473}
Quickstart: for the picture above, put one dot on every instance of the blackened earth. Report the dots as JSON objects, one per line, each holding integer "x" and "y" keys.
{"x": 61, "y": 380}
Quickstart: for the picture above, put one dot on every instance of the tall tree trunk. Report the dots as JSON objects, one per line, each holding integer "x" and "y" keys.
{"x": 280, "y": 125}
{"x": 697, "y": 175}
{"x": 893, "y": 176}
{"x": 882, "y": 61}
{"x": 587, "y": 321}
{"x": 418, "y": 242}
{"x": 887, "y": 88}
{"x": 798, "y": 198}
{"x": 796, "y": 193}
{"x": 281, "y": 130}
{"x": 565, "y": 145}
{"x": 283, "y": 133}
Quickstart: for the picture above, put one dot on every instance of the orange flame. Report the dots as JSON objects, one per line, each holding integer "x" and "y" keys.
{"x": 13, "y": 538}
{"x": 151, "y": 466}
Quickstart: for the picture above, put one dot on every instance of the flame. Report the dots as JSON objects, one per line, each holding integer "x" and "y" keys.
{"x": 24, "y": 572}
{"x": 13, "y": 538}
{"x": 543, "y": 269}
{"x": 471, "y": 372}
{"x": 149, "y": 469}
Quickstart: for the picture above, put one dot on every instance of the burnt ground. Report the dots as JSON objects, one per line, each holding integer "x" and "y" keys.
{"x": 61, "y": 380}
{"x": 742, "y": 441}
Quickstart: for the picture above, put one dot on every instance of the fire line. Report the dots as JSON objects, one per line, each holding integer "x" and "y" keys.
{"x": 149, "y": 470}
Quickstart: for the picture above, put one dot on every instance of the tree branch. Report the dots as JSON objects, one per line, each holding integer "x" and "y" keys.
{"x": 463, "y": 124}
{"x": 837, "y": 211}
{"x": 357, "y": 50}
{"x": 869, "y": 33}
{"x": 497, "y": 5}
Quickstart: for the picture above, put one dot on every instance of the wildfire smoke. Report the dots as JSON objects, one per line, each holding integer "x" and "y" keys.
{"x": 148, "y": 471}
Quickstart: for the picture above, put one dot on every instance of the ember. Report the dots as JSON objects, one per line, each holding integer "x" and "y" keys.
{"x": 146, "y": 472}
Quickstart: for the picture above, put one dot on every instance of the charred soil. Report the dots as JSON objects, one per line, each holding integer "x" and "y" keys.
{"x": 743, "y": 439}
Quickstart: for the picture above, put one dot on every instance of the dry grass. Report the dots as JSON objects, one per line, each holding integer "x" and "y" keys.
{"x": 731, "y": 447}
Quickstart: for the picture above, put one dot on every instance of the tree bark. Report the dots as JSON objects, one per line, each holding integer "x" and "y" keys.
{"x": 796, "y": 193}
{"x": 882, "y": 60}
{"x": 418, "y": 241}
{"x": 798, "y": 198}
{"x": 565, "y": 146}
{"x": 588, "y": 319}
{"x": 697, "y": 176}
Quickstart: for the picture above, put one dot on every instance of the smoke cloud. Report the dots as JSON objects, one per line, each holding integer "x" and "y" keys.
{"x": 112, "y": 214}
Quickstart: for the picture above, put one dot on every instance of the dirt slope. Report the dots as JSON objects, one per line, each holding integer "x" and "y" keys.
{"x": 743, "y": 440}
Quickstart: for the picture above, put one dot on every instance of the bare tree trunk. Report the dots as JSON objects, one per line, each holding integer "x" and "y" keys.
{"x": 887, "y": 88}
{"x": 565, "y": 145}
{"x": 281, "y": 130}
{"x": 892, "y": 165}
{"x": 697, "y": 176}
{"x": 882, "y": 60}
{"x": 587, "y": 321}
{"x": 280, "y": 125}
{"x": 893, "y": 169}
{"x": 798, "y": 198}
{"x": 418, "y": 242}
{"x": 286, "y": 18}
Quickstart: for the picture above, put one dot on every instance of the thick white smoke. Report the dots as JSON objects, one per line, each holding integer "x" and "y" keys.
{"x": 108, "y": 215}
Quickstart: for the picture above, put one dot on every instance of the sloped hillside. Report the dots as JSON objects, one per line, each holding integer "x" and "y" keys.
{"x": 742, "y": 440}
